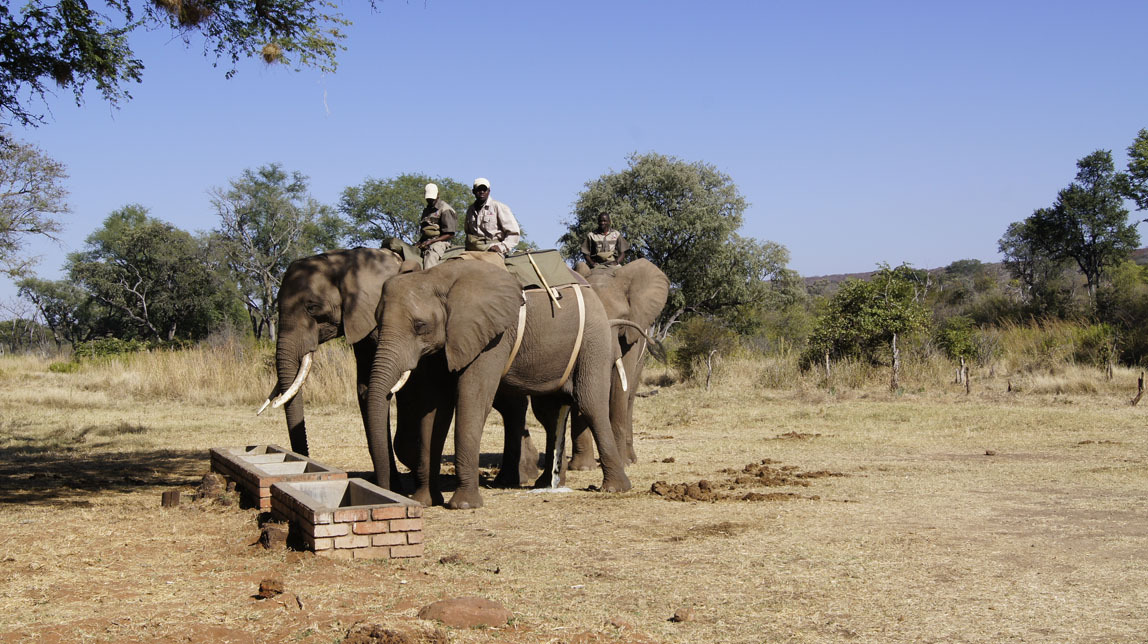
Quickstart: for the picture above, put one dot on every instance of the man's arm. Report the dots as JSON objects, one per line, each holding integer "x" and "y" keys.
{"x": 511, "y": 233}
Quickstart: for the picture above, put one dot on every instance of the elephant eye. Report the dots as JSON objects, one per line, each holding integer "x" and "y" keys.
{"x": 421, "y": 327}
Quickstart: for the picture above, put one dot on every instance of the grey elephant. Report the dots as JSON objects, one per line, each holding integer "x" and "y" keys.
{"x": 321, "y": 298}
{"x": 496, "y": 339}
{"x": 636, "y": 292}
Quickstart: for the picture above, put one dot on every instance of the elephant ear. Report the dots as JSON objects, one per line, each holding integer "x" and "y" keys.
{"x": 647, "y": 291}
{"x": 362, "y": 287}
{"x": 483, "y": 302}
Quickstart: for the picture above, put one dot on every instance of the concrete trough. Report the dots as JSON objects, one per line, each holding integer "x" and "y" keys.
{"x": 255, "y": 468}
{"x": 351, "y": 519}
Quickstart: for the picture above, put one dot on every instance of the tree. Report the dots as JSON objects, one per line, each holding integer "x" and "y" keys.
{"x": 379, "y": 209}
{"x": 1041, "y": 274}
{"x": 684, "y": 218}
{"x": 31, "y": 195}
{"x": 863, "y": 317}
{"x": 67, "y": 44}
{"x": 1088, "y": 223}
{"x": 267, "y": 220}
{"x": 1137, "y": 177}
{"x": 64, "y": 307}
{"x": 157, "y": 279}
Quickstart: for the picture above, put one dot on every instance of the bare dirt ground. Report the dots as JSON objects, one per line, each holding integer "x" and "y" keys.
{"x": 855, "y": 518}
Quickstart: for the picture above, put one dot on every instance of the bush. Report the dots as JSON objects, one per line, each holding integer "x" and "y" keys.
{"x": 64, "y": 367}
{"x": 696, "y": 340}
{"x": 112, "y": 347}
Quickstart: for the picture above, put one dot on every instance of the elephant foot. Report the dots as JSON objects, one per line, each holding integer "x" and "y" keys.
{"x": 427, "y": 498}
{"x": 544, "y": 481}
{"x": 464, "y": 500}
{"x": 632, "y": 455}
{"x": 507, "y": 478}
{"x": 582, "y": 462}
{"x": 618, "y": 483}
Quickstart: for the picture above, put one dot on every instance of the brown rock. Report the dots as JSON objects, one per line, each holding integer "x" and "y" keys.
{"x": 212, "y": 486}
{"x": 270, "y": 587}
{"x": 274, "y": 536}
{"x": 376, "y": 634}
{"x": 684, "y": 614}
{"x": 466, "y": 612}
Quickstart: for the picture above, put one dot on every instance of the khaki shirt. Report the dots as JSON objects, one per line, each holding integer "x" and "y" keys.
{"x": 490, "y": 225}
{"x": 438, "y": 219}
{"x": 608, "y": 248}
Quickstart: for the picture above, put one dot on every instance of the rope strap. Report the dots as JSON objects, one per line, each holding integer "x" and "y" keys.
{"x": 577, "y": 340}
{"x": 517, "y": 338}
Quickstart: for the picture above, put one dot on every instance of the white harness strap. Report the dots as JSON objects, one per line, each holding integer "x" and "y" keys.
{"x": 517, "y": 338}
{"x": 577, "y": 340}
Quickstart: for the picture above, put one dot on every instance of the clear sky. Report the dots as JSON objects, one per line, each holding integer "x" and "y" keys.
{"x": 859, "y": 132}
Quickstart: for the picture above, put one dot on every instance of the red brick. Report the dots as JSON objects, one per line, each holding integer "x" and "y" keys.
{"x": 328, "y": 530}
{"x": 414, "y": 511}
{"x": 371, "y": 553}
{"x": 337, "y": 554}
{"x": 415, "y": 550}
{"x": 349, "y": 516}
{"x": 370, "y": 527}
{"x": 389, "y": 512}
{"x": 415, "y": 537}
{"x": 406, "y": 525}
{"x": 325, "y": 543}
{"x": 353, "y": 541}
{"x": 389, "y": 539}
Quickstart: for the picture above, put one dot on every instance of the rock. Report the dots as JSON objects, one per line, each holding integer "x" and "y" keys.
{"x": 376, "y": 634}
{"x": 466, "y": 612}
{"x": 620, "y": 624}
{"x": 684, "y": 614}
{"x": 270, "y": 587}
{"x": 211, "y": 486}
{"x": 274, "y": 536}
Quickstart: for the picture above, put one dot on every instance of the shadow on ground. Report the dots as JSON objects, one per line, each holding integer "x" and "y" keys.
{"x": 64, "y": 477}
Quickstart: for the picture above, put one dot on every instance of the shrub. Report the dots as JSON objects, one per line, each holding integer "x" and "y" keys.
{"x": 696, "y": 340}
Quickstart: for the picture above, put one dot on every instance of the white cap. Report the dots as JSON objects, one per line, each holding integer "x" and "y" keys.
{"x": 480, "y": 182}
{"x": 432, "y": 191}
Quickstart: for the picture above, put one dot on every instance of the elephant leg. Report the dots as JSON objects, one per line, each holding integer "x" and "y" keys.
{"x": 582, "y": 445}
{"x": 614, "y": 477}
{"x": 475, "y": 397}
{"x": 519, "y": 456}
{"x": 620, "y": 410}
{"x": 553, "y": 412}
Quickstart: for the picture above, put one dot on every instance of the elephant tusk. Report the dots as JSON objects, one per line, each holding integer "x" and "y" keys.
{"x": 265, "y": 405}
{"x": 402, "y": 381}
{"x": 621, "y": 373}
{"x": 304, "y": 369}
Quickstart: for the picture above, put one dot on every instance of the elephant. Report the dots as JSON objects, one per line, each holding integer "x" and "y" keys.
{"x": 496, "y": 340}
{"x": 323, "y": 297}
{"x": 637, "y": 292}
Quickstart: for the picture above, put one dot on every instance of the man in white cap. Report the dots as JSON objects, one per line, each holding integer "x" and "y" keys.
{"x": 490, "y": 226}
{"x": 437, "y": 227}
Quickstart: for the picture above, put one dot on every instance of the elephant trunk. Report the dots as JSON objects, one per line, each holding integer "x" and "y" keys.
{"x": 386, "y": 373}
{"x": 289, "y": 363}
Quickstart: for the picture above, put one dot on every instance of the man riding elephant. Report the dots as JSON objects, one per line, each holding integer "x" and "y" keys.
{"x": 437, "y": 226}
{"x": 604, "y": 246}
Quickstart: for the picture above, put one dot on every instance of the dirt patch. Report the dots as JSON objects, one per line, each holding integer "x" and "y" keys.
{"x": 376, "y": 634}
{"x": 795, "y": 436}
{"x": 753, "y": 475}
{"x": 1103, "y": 442}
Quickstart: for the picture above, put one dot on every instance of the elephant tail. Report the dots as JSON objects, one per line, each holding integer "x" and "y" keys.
{"x": 656, "y": 348}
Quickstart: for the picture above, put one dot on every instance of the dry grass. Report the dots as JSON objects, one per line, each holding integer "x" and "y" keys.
{"x": 987, "y": 517}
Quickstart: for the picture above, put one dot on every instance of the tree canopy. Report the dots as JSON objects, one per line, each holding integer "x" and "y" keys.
{"x": 378, "y": 209}
{"x": 68, "y": 44}
{"x": 684, "y": 218}
{"x": 32, "y": 195}
{"x": 160, "y": 281}
{"x": 267, "y": 220}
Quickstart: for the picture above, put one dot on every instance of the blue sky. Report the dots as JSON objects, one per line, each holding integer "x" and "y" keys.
{"x": 859, "y": 132}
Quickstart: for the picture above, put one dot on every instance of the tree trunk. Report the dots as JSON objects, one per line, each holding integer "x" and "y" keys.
{"x": 895, "y": 382}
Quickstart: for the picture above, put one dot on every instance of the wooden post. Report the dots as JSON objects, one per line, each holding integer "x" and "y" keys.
{"x": 827, "y": 366}
{"x": 170, "y": 499}
{"x": 895, "y": 382}
{"x": 965, "y": 376}
{"x": 709, "y": 368}
{"x": 1139, "y": 389}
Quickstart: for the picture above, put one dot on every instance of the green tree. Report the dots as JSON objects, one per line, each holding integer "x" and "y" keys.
{"x": 684, "y": 218}
{"x": 267, "y": 220}
{"x": 864, "y": 317}
{"x": 1137, "y": 177}
{"x": 379, "y": 209}
{"x": 68, "y": 44}
{"x": 32, "y": 194}
{"x": 1088, "y": 223}
{"x": 158, "y": 280}
{"x": 1041, "y": 274}
{"x": 64, "y": 307}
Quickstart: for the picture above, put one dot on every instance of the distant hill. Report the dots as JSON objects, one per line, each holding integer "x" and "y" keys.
{"x": 1140, "y": 256}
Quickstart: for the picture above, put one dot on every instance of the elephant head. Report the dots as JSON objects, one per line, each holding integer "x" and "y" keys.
{"x": 322, "y": 297}
{"x": 459, "y": 307}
